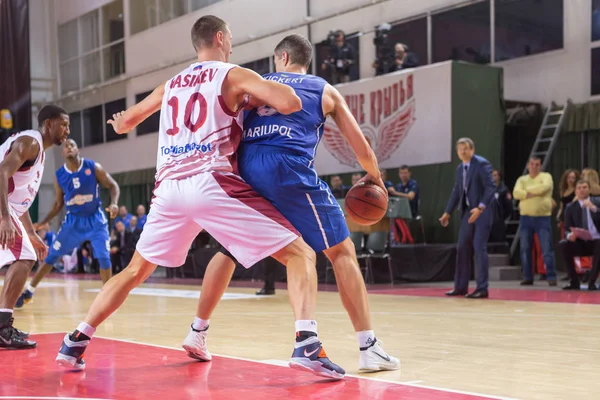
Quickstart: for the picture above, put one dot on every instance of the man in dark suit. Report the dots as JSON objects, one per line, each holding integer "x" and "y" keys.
{"x": 584, "y": 213}
{"x": 473, "y": 194}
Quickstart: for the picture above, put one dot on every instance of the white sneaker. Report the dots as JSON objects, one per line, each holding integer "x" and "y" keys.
{"x": 195, "y": 345}
{"x": 374, "y": 359}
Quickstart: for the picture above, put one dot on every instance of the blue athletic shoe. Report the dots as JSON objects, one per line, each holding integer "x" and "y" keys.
{"x": 311, "y": 357}
{"x": 71, "y": 354}
{"x": 24, "y": 298}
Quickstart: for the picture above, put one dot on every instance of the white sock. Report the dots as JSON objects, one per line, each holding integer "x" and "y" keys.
{"x": 200, "y": 324}
{"x": 365, "y": 338}
{"x": 6, "y": 310}
{"x": 31, "y": 288}
{"x": 86, "y": 329}
{"x": 306, "y": 325}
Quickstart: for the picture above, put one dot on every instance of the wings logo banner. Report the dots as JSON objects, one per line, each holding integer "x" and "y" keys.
{"x": 405, "y": 117}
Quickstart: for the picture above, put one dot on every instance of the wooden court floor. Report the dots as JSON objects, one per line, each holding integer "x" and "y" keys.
{"x": 484, "y": 349}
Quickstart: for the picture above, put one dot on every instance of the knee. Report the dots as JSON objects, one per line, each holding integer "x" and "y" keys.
{"x": 341, "y": 251}
{"x": 297, "y": 249}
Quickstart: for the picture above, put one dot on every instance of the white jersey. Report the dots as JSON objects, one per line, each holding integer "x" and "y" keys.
{"x": 197, "y": 133}
{"x": 25, "y": 183}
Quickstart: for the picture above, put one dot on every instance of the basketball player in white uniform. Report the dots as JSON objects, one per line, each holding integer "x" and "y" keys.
{"x": 197, "y": 187}
{"x": 21, "y": 170}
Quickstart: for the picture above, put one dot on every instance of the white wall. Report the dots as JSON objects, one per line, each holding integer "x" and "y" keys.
{"x": 154, "y": 55}
{"x": 558, "y": 75}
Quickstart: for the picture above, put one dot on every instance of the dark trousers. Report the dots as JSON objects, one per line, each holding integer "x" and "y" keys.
{"x": 542, "y": 226}
{"x": 271, "y": 266}
{"x": 472, "y": 239}
{"x": 581, "y": 248}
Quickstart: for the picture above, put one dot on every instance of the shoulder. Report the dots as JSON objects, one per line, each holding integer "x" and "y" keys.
{"x": 413, "y": 184}
{"x": 572, "y": 205}
{"x": 546, "y": 175}
{"x": 481, "y": 160}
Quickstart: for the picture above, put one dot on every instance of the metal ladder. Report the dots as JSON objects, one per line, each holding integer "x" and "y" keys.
{"x": 542, "y": 147}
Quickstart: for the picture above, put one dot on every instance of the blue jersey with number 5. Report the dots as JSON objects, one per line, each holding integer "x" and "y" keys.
{"x": 80, "y": 188}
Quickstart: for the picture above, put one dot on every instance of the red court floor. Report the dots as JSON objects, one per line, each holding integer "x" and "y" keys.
{"x": 124, "y": 370}
{"x": 542, "y": 295}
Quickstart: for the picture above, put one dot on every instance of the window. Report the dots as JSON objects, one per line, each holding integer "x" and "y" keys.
{"x": 411, "y": 33}
{"x": 198, "y": 4}
{"x": 596, "y": 71}
{"x": 92, "y": 48}
{"x": 113, "y": 26}
{"x": 114, "y": 60}
{"x": 170, "y": 9}
{"x": 69, "y": 76}
{"x": 462, "y": 34}
{"x": 75, "y": 128}
{"x": 595, "y": 20}
{"x": 323, "y": 50}
{"x": 261, "y": 66}
{"x": 93, "y": 126}
{"x": 527, "y": 27}
{"x": 109, "y": 109}
{"x": 144, "y": 16}
{"x": 68, "y": 41}
{"x": 151, "y": 124}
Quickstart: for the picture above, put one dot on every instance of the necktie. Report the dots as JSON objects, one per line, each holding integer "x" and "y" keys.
{"x": 586, "y": 224}
{"x": 465, "y": 173}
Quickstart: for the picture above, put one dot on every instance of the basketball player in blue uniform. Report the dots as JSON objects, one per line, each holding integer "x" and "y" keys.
{"x": 276, "y": 158}
{"x": 76, "y": 188}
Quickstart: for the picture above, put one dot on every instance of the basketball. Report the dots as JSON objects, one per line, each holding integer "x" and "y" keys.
{"x": 366, "y": 203}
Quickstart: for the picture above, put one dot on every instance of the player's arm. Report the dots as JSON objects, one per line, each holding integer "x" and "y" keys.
{"x": 335, "y": 106}
{"x": 23, "y": 149}
{"x": 241, "y": 81}
{"x": 125, "y": 121}
{"x": 109, "y": 183}
{"x": 59, "y": 202}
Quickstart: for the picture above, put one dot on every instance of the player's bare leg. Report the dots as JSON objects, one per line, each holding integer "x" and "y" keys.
{"x": 353, "y": 293}
{"x": 13, "y": 285}
{"x": 300, "y": 261}
{"x": 105, "y": 274}
{"x": 27, "y": 294}
{"x": 110, "y": 298}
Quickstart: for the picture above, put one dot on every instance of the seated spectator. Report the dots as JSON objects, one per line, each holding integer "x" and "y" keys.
{"x": 123, "y": 217}
{"x": 337, "y": 188}
{"x": 118, "y": 247}
{"x": 141, "y": 216}
{"x": 357, "y": 176}
{"x": 407, "y": 188}
{"x": 591, "y": 175}
{"x": 131, "y": 240}
{"x": 566, "y": 192}
{"x": 582, "y": 227}
{"x": 386, "y": 183}
{"x": 502, "y": 210}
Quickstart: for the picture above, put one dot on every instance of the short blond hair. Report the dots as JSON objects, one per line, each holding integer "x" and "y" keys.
{"x": 467, "y": 141}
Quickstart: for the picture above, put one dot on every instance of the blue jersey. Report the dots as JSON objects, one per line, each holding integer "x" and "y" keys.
{"x": 80, "y": 188}
{"x": 300, "y": 132}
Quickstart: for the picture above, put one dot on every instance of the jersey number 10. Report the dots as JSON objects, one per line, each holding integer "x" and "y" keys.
{"x": 187, "y": 117}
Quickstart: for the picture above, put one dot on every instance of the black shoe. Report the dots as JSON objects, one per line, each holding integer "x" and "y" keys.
{"x": 551, "y": 283}
{"x": 10, "y": 339}
{"x": 23, "y": 335}
{"x": 592, "y": 286}
{"x": 265, "y": 292}
{"x": 478, "y": 294}
{"x": 572, "y": 287}
{"x": 455, "y": 293}
{"x": 527, "y": 282}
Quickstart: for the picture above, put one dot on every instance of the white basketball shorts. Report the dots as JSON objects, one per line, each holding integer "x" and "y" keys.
{"x": 222, "y": 204}
{"x": 22, "y": 249}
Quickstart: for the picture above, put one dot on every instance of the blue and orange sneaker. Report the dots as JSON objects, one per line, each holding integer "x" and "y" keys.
{"x": 310, "y": 357}
{"x": 71, "y": 354}
{"x": 24, "y": 298}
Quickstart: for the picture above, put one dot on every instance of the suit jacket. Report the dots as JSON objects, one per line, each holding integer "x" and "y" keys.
{"x": 480, "y": 185}
{"x": 574, "y": 216}
{"x": 504, "y": 205}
